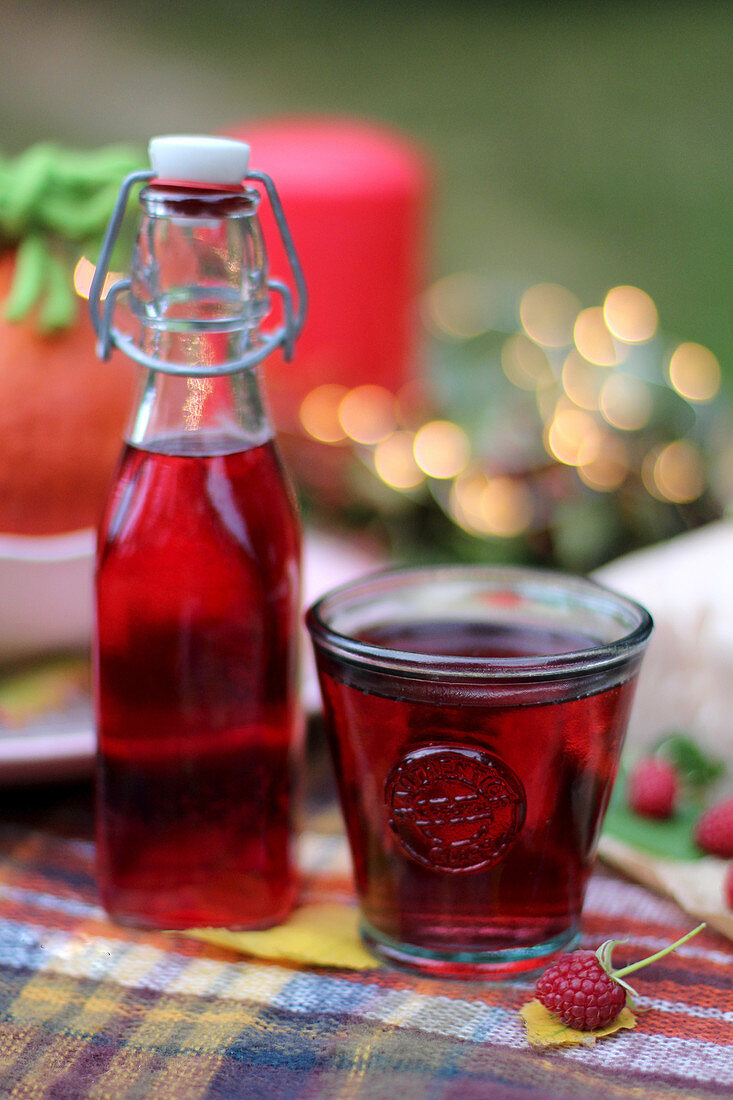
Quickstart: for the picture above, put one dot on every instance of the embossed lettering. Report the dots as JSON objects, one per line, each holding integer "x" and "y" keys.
{"x": 454, "y": 808}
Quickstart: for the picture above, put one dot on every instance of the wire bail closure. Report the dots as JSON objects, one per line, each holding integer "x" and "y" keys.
{"x": 102, "y": 313}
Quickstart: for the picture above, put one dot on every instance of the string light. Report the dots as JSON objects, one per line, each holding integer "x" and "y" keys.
{"x": 466, "y": 500}
{"x": 581, "y": 381}
{"x": 411, "y": 405}
{"x": 721, "y": 476}
{"x": 630, "y": 314}
{"x": 441, "y": 449}
{"x": 500, "y": 506}
{"x": 319, "y": 413}
{"x": 367, "y": 414}
{"x": 593, "y": 338}
{"x": 394, "y": 461}
{"x": 547, "y": 312}
{"x": 565, "y": 360}
{"x": 625, "y": 402}
{"x": 524, "y": 363}
{"x": 694, "y": 372}
{"x": 573, "y": 437}
{"x": 678, "y": 472}
{"x": 608, "y": 469}
{"x": 458, "y": 306}
{"x": 547, "y": 400}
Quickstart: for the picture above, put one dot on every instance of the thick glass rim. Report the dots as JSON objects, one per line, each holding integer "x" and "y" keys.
{"x": 583, "y": 591}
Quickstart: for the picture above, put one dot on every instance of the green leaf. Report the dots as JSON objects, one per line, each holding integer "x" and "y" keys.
{"x": 670, "y": 839}
{"x": 59, "y": 308}
{"x": 50, "y": 196}
{"x": 693, "y": 766}
{"x": 29, "y": 278}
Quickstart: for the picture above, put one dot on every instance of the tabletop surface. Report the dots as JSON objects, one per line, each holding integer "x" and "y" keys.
{"x": 89, "y": 1009}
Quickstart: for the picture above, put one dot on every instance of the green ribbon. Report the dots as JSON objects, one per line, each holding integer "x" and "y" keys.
{"x": 55, "y": 204}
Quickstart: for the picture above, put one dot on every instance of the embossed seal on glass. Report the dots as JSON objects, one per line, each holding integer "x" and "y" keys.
{"x": 454, "y": 807}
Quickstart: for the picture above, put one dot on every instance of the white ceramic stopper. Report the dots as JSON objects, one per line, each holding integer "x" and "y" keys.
{"x": 199, "y": 159}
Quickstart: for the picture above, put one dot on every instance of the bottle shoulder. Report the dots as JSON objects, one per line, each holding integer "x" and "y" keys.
{"x": 181, "y": 500}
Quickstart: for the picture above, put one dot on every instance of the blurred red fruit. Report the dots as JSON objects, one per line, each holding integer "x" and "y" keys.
{"x": 653, "y": 788}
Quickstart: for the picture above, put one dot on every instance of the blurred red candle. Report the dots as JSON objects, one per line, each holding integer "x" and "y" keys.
{"x": 355, "y": 196}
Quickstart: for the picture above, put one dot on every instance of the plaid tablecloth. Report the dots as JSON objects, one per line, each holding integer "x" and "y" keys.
{"x": 91, "y": 1010}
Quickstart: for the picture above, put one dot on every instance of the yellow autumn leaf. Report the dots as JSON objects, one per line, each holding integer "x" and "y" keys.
{"x": 546, "y": 1030}
{"x": 32, "y": 690}
{"x": 315, "y": 934}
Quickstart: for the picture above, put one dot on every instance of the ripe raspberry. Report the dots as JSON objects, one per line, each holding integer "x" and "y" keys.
{"x": 583, "y": 989}
{"x": 653, "y": 788}
{"x": 714, "y": 830}
{"x": 578, "y": 990}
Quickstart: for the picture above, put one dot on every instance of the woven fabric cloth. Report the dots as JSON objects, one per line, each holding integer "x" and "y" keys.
{"x": 91, "y": 1010}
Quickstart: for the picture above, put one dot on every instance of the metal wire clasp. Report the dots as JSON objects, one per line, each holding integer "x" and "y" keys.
{"x": 102, "y": 314}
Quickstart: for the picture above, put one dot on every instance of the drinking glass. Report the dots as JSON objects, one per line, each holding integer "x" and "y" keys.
{"x": 475, "y": 717}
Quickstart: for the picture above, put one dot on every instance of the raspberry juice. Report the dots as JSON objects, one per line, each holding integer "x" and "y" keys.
{"x": 197, "y": 619}
{"x": 473, "y": 810}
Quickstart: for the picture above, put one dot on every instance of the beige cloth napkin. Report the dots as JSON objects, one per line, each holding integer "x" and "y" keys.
{"x": 696, "y": 886}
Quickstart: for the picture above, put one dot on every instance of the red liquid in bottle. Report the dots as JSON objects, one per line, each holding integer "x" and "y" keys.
{"x": 198, "y": 607}
{"x": 473, "y": 823}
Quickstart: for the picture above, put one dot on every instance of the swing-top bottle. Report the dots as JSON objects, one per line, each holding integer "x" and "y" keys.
{"x": 197, "y": 578}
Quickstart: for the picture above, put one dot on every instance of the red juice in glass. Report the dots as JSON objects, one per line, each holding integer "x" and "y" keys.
{"x": 197, "y": 621}
{"x": 475, "y": 719}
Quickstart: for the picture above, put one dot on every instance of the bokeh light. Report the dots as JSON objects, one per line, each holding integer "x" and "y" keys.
{"x": 582, "y": 381}
{"x": 609, "y": 468}
{"x": 524, "y": 363}
{"x": 601, "y": 400}
{"x": 411, "y": 403}
{"x": 547, "y": 400}
{"x": 573, "y": 437}
{"x": 367, "y": 414}
{"x": 593, "y": 338}
{"x": 694, "y": 372}
{"x": 630, "y": 314}
{"x": 466, "y": 499}
{"x": 459, "y": 306}
{"x": 625, "y": 402}
{"x": 441, "y": 449}
{"x": 500, "y": 506}
{"x": 319, "y": 413}
{"x": 548, "y": 312}
{"x": 674, "y": 472}
{"x": 394, "y": 461}
{"x": 721, "y": 475}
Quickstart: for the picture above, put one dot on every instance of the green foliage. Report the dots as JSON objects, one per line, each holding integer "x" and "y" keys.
{"x": 670, "y": 839}
{"x": 697, "y": 770}
{"x": 55, "y": 204}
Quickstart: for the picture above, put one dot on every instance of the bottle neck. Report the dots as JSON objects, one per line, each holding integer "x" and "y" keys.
{"x": 192, "y": 415}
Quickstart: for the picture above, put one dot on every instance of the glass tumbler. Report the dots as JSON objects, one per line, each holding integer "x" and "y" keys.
{"x": 475, "y": 717}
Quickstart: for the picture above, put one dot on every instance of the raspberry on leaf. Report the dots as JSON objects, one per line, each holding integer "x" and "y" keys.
{"x": 583, "y": 993}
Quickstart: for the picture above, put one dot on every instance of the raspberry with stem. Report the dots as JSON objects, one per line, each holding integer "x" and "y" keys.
{"x": 585, "y": 992}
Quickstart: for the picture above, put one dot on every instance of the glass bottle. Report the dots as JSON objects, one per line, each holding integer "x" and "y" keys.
{"x": 197, "y": 578}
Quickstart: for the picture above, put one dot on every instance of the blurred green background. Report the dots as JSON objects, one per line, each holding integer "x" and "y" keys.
{"x": 574, "y": 143}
